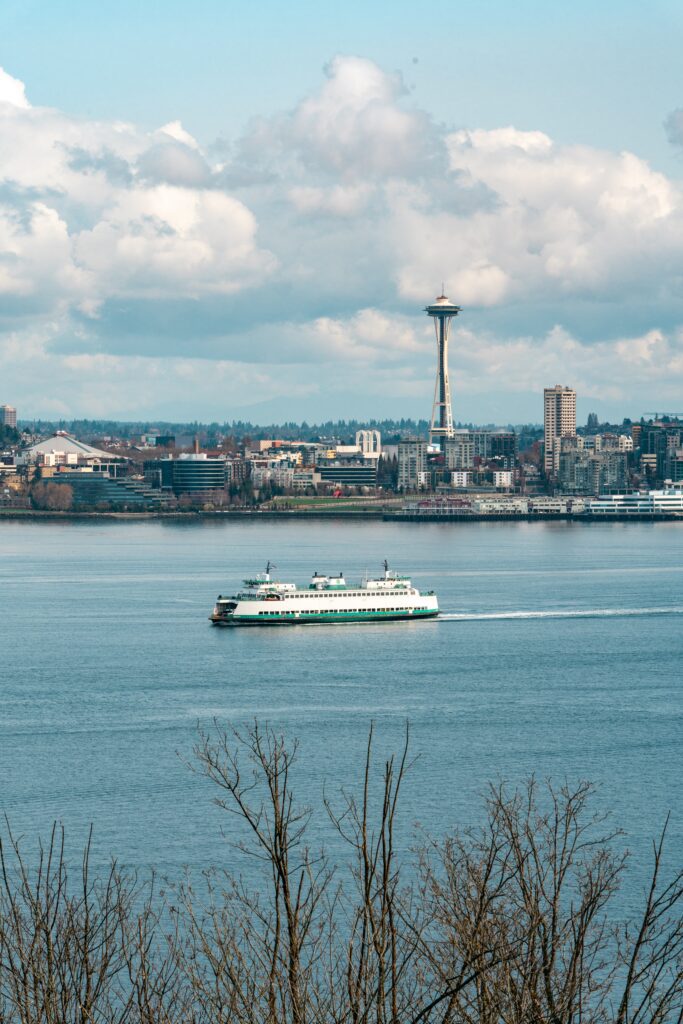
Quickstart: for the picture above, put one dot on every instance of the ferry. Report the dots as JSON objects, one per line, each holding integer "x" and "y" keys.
{"x": 267, "y": 602}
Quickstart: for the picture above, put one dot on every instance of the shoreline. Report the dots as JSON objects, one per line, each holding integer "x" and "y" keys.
{"x": 378, "y": 515}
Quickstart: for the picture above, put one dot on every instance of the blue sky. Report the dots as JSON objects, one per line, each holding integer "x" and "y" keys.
{"x": 262, "y": 233}
{"x": 603, "y": 73}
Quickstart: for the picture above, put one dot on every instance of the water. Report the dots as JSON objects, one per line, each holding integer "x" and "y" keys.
{"x": 559, "y": 652}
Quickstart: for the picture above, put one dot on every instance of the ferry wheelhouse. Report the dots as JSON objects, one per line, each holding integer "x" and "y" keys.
{"x": 268, "y": 602}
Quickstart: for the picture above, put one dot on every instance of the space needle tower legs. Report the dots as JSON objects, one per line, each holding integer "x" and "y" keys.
{"x": 443, "y": 311}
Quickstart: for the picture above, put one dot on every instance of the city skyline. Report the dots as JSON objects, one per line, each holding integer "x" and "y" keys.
{"x": 266, "y": 254}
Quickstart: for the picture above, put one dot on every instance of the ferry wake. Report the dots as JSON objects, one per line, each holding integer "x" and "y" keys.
{"x": 267, "y": 602}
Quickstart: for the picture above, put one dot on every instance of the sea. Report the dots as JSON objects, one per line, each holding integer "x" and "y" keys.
{"x": 558, "y": 654}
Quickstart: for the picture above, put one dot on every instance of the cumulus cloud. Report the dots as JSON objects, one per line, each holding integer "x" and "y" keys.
{"x": 152, "y": 241}
{"x": 568, "y": 221}
{"x": 35, "y": 259}
{"x": 356, "y": 126}
{"x": 296, "y": 260}
{"x": 91, "y": 211}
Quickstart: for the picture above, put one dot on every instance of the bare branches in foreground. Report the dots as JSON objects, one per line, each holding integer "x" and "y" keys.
{"x": 516, "y": 921}
{"x": 81, "y": 949}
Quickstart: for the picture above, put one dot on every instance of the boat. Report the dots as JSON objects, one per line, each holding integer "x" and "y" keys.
{"x": 265, "y": 601}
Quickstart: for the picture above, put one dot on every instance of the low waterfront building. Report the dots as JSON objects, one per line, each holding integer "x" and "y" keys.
{"x": 91, "y": 490}
{"x": 496, "y": 505}
{"x": 541, "y": 505}
{"x": 665, "y": 501}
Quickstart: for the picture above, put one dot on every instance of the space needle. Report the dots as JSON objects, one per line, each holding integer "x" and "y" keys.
{"x": 443, "y": 311}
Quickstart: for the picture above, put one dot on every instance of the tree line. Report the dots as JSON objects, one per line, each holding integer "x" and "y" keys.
{"x": 517, "y": 920}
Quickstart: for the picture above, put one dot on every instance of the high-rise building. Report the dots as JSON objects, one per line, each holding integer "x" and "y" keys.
{"x": 8, "y": 416}
{"x": 559, "y": 420}
{"x": 412, "y": 464}
{"x": 442, "y": 311}
{"x": 459, "y": 450}
{"x": 660, "y": 439}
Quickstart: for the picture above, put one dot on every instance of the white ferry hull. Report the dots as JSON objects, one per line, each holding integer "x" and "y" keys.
{"x": 336, "y": 617}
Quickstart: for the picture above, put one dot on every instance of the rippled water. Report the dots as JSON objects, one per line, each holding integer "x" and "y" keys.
{"x": 559, "y": 652}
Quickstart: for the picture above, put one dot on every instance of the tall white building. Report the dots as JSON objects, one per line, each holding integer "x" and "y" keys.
{"x": 559, "y": 420}
{"x": 8, "y": 416}
{"x": 369, "y": 443}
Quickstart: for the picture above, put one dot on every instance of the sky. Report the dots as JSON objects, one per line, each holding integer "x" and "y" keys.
{"x": 230, "y": 211}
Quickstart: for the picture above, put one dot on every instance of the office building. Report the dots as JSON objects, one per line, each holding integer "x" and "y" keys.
{"x": 189, "y": 474}
{"x": 352, "y": 473}
{"x": 559, "y": 420}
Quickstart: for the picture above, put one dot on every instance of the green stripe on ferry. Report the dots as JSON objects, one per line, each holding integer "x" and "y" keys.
{"x": 326, "y": 616}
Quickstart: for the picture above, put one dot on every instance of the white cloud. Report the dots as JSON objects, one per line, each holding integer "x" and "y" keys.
{"x": 603, "y": 370}
{"x": 567, "y": 221}
{"x": 355, "y": 126}
{"x": 152, "y": 241}
{"x": 92, "y": 210}
{"x": 369, "y": 336}
{"x": 174, "y": 130}
{"x": 35, "y": 257}
{"x": 12, "y": 91}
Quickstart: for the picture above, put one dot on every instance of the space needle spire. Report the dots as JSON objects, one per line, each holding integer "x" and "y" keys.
{"x": 443, "y": 311}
